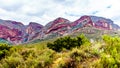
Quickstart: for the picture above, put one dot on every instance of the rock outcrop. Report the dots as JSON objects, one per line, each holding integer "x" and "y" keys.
{"x": 33, "y": 31}
{"x": 59, "y": 26}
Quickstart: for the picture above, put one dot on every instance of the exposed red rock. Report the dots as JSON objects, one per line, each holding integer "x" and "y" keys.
{"x": 34, "y": 31}
{"x": 58, "y": 25}
{"x": 84, "y": 20}
{"x": 97, "y": 22}
{"x": 16, "y": 32}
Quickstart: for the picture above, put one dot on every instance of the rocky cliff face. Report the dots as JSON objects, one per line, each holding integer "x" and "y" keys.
{"x": 94, "y": 21}
{"x": 59, "y": 26}
{"x": 12, "y": 31}
{"x": 17, "y": 33}
{"x": 33, "y": 31}
{"x": 102, "y": 23}
{"x": 82, "y": 22}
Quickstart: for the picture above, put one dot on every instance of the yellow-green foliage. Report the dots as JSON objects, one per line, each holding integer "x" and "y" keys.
{"x": 99, "y": 54}
{"x": 4, "y": 49}
{"x": 110, "y": 56}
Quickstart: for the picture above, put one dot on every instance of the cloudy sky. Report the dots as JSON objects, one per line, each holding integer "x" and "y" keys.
{"x": 43, "y": 11}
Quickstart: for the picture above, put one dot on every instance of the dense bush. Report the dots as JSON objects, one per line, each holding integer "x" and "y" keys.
{"x": 110, "y": 56}
{"x": 4, "y": 49}
{"x": 67, "y": 43}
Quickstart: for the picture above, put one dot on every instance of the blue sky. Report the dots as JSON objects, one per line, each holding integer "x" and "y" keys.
{"x": 44, "y": 11}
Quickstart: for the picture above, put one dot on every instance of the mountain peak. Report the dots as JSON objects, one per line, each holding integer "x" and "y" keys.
{"x": 60, "y": 20}
{"x": 57, "y": 21}
{"x": 35, "y": 24}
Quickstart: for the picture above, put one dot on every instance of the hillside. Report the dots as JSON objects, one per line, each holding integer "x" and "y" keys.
{"x": 102, "y": 53}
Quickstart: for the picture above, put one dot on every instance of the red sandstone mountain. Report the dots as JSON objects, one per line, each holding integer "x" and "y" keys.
{"x": 17, "y": 33}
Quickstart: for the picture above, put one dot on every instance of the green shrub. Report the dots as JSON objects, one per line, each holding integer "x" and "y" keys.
{"x": 68, "y": 43}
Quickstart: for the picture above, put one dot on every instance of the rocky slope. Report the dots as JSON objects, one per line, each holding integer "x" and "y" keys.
{"x": 12, "y": 31}
{"x": 33, "y": 31}
{"x": 58, "y": 27}
{"x": 17, "y": 33}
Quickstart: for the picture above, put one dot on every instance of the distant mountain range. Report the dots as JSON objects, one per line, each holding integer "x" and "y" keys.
{"x": 17, "y": 33}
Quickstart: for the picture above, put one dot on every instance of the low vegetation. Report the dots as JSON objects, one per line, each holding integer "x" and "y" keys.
{"x": 65, "y": 52}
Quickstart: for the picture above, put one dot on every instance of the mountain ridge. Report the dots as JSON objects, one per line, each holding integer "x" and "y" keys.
{"x": 17, "y": 33}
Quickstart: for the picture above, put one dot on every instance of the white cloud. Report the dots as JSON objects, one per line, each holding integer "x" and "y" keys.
{"x": 43, "y": 11}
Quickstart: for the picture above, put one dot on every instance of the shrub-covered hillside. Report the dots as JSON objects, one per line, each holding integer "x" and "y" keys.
{"x": 65, "y": 52}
